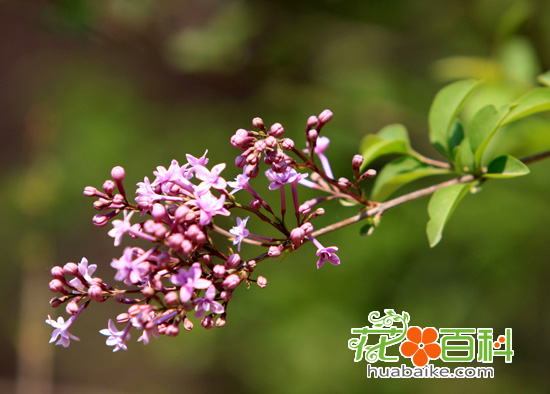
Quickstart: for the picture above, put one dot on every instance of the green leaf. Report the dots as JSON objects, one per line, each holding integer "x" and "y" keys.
{"x": 391, "y": 139}
{"x": 441, "y": 207}
{"x": 464, "y": 157}
{"x": 544, "y": 79}
{"x": 400, "y": 172}
{"x": 456, "y": 137}
{"x": 506, "y": 167}
{"x": 483, "y": 127}
{"x": 445, "y": 108}
{"x": 369, "y": 226}
{"x": 532, "y": 102}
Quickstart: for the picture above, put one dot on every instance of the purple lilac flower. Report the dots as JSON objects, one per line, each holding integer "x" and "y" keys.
{"x": 173, "y": 175}
{"x": 239, "y": 183}
{"x": 240, "y": 232}
{"x": 209, "y": 206}
{"x": 207, "y": 303}
{"x": 325, "y": 254}
{"x": 145, "y": 191}
{"x": 289, "y": 175}
{"x": 131, "y": 271}
{"x": 62, "y": 329}
{"x": 120, "y": 227}
{"x": 116, "y": 338}
{"x": 210, "y": 178}
{"x": 86, "y": 271}
{"x": 193, "y": 161}
{"x": 189, "y": 281}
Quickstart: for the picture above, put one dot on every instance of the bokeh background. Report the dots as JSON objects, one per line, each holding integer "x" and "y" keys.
{"x": 89, "y": 84}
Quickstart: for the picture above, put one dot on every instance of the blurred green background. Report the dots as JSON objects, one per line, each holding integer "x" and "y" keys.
{"x": 89, "y": 84}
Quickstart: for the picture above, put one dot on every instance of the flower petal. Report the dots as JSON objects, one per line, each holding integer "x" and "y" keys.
{"x": 433, "y": 350}
{"x": 414, "y": 334}
{"x": 429, "y": 335}
{"x": 408, "y": 349}
{"x": 420, "y": 358}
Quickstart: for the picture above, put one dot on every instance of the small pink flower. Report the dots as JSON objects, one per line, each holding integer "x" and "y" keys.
{"x": 116, "y": 338}
{"x": 207, "y": 303}
{"x": 189, "y": 281}
{"x": 240, "y": 232}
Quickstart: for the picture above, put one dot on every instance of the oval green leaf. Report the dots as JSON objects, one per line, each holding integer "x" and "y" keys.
{"x": 506, "y": 167}
{"x": 444, "y": 110}
{"x": 441, "y": 207}
{"x": 532, "y": 102}
{"x": 391, "y": 139}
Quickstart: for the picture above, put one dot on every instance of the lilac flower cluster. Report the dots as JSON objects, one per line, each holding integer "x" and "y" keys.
{"x": 184, "y": 274}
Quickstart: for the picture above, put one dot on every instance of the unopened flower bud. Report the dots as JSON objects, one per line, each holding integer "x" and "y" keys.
{"x": 287, "y": 144}
{"x": 219, "y": 271}
{"x": 186, "y": 246}
{"x": 308, "y": 228}
{"x": 90, "y": 191}
{"x": 325, "y": 116}
{"x": 174, "y": 241}
{"x": 109, "y": 187}
{"x": 231, "y": 281}
{"x": 70, "y": 268}
{"x": 240, "y": 161}
{"x": 344, "y": 182}
{"x": 171, "y": 298}
{"x": 220, "y": 321}
{"x": 148, "y": 291}
{"x": 319, "y": 211}
{"x": 251, "y": 264}
{"x": 123, "y": 318}
{"x": 207, "y": 322}
{"x": 57, "y": 286}
{"x": 304, "y": 209}
{"x": 158, "y": 212}
{"x": 233, "y": 261}
{"x": 55, "y": 302}
{"x": 277, "y": 130}
{"x": 100, "y": 220}
{"x": 297, "y": 235}
{"x": 370, "y": 173}
{"x": 207, "y": 260}
{"x": 357, "y": 162}
{"x": 226, "y": 295}
{"x": 187, "y": 324}
{"x": 261, "y": 281}
{"x": 274, "y": 251}
{"x": 251, "y": 171}
{"x": 200, "y": 240}
{"x": 312, "y": 135}
{"x": 58, "y": 273}
{"x": 180, "y": 213}
{"x": 258, "y": 123}
{"x": 118, "y": 199}
{"x": 72, "y": 308}
{"x": 271, "y": 142}
{"x": 95, "y": 293}
{"x": 260, "y": 145}
{"x": 312, "y": 122}
{"x": 118, "y": 173}
{"x": 255, "y": 204}
{"x": 172, "y": 330}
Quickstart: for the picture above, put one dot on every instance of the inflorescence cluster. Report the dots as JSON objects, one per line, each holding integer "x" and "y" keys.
{"x": 183, "y": 273}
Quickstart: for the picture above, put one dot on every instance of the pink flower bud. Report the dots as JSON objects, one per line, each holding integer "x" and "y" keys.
{"x": 72, "y": 308}
{"x": 325, "y": 116}
{"x": 186, "y": 246}
{"x": 255, "y": 204}
{"x": 57, "y": 286}
{"x": 109, "y": 187}
{"x": 174, "y": 241}
{"x": 201, "y": 240}
{"x": 260, "y": 145}
{"x": 251, "y": 264}
{"x": 58, "y": 273}
{"x": 370, "y": 173}
{"x": 344, "y": 182}
{"x": 357, "y": 161}
{"x": 123, "y": 318}
{"x": 312, "y": 122}
{"x": 312, "y": 135}
{"x": 220, "y": 322}
{"x": 118, "y": 199}
{"x": 219, "y": 271}
{"x": 171, "y": 298}
{"x": 180, "y": 213}
{"x": 187, "y": 324}
{"x": 95, "y": 293}
{"x": 274, "y": 251}
{"x": 271, "y": 142}
{"x": 207, "y": 322}
{"x": 158, "y": 212}
{"x": 231, "y": 281}
{"x": 308, "y": 228}
{"x": 70, "y": 268}
{"x": 261, "y": 281}
{"x": 297, "y": 235}
{"x": 100, "y": 220}
{"x": 226, "y": 295}
{"x": 148, "y": 291}
{"x": 319, "y": 211}
{"x": 90, "y": 191}
{"x": 287, "y": 144}
{"x": 172, "y": 330}
{"x": 207, "y": 260}
{"x": 277, "y": 130}
{"x": 193, "y": 231}
{"x": 258, "y": 123}
{"x": 304, "y": 209}
{"x": 240, "y": 161}
{"x": 251, "y": 171}
{"x": 233, "y": 261}
{"x": 55, "y": 302}
{"x": 118, "y": 173}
